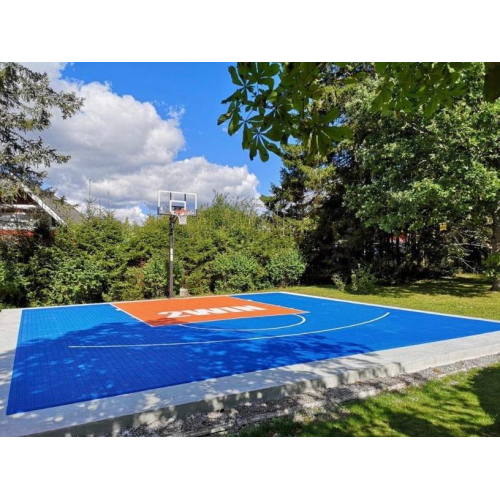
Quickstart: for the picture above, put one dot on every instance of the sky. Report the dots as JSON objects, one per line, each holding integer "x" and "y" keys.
{"x": 149, "y": 126}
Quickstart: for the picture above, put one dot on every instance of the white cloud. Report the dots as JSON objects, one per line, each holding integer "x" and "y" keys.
{"x": 53, "y": 69}
{"x": 129, "y": 151}
{"x": 133, "y": 214}
{"x": 192, "y": 175}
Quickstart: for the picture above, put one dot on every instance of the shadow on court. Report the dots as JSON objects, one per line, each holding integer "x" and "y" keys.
{"x": 49, "y": 373}
{"x": 469, "y": 405}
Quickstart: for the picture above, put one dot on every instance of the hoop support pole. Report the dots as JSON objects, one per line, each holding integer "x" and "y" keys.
{"x": 171, "y": 258}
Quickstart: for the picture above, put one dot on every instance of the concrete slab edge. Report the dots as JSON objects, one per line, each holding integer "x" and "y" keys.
{"x": 343, "y": 376}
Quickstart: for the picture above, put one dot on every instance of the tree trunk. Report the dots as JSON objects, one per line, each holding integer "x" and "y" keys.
{"x": 495, "y": 245}
{"x": 398, "y": 254}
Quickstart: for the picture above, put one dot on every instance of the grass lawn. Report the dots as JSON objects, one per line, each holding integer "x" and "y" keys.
{"x": 466, "y": 295}
{"x": 464, "y": 404}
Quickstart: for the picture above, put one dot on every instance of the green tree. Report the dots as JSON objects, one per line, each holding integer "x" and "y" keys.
{"x": 277, "y": 102}
{"x": 26, "y": 105}
{"x": 419, "y": 170}
{"x": 380, "y": 195}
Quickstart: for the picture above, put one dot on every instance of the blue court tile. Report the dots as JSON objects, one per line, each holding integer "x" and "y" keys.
{"x": 78, "y": 353}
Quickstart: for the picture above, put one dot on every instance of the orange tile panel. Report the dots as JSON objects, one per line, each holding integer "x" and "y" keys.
{"x": 202, "y": 309}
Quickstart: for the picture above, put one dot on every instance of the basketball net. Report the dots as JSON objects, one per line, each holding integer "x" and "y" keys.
{"x": 182, "y": 216}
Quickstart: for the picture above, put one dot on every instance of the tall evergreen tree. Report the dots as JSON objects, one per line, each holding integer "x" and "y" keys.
{"x": 26, "y": 105}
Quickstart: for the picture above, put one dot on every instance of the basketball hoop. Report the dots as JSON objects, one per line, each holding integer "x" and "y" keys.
{"x": 182, "y": 216}
{"x": 180, "y": 205}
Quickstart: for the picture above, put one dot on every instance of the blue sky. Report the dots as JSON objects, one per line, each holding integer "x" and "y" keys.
{"x": 144, "y": 127}
{"x": 197, "y": 88}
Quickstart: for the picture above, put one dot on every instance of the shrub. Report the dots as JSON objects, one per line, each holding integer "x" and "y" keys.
{"x": 228, "y": 247}
{"x": 12, "y": 283}
{"x": 131, "y": 287}
{"x": 156, "y": 276}
{"x": 338, "y": 282}
{"x": 199, "y": 280}
{"x": 362, "y": 281}
{"x": 285, "y": 268}
{"x": 75, "y": 280}
{"x": 235, "y": 272}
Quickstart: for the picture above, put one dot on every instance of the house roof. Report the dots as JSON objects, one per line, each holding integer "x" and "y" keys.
{"x": 59, "y": 209}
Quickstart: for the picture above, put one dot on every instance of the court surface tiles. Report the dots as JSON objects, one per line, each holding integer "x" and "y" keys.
{"x": 149, "y": 351}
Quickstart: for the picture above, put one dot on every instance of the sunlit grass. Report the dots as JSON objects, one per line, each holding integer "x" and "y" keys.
{"x": 464, "y": 404}
{"x": 466, "y": 295}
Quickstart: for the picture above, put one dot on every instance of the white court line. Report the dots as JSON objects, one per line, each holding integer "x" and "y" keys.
{"x": 228, "y": 340}
{"x": 384, "y": 306}
{"x": 131, "y": 315}
{"x": 302, "y": 321}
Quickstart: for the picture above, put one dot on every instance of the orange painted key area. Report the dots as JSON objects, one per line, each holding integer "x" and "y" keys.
{"x": 196, "y": 310}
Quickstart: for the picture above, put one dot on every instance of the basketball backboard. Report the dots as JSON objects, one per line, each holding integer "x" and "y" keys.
{"x": 171, "y": 202}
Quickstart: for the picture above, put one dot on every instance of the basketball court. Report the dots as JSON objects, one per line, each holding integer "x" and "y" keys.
{"x": 130, "y": 362}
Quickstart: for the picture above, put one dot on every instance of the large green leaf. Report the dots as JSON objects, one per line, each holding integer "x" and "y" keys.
{"x": 224, "y": 117}
{"x": 234, "y": 76}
